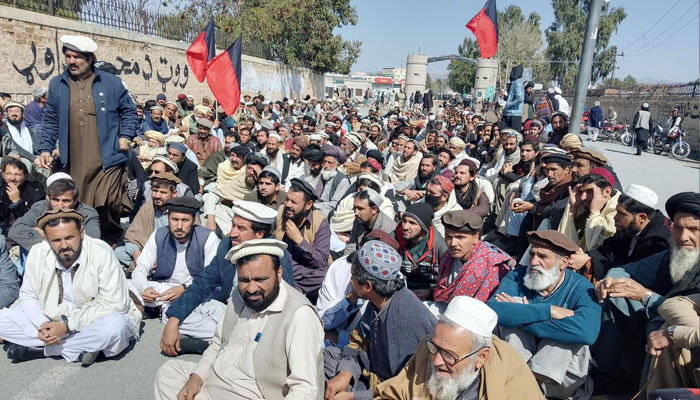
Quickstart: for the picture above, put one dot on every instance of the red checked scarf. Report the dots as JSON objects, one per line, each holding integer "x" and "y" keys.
{"x": 479, "y": 276}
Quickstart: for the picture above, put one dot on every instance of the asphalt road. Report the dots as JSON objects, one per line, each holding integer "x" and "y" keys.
{"x": 131, "y": 375}
{"x": 661, "y": 173}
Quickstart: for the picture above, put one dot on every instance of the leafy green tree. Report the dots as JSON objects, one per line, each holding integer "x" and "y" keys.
{"x": 519, "y": 42}
{"x": 296, "y": 32}
{"x": 461, "y": 75}
{"x": 428, "y": 81}
{"x": 565, "y": 40}
{"x": 628, "y": 82}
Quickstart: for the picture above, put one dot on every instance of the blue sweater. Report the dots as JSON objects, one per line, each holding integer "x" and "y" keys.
{"x": 575, "y": 293}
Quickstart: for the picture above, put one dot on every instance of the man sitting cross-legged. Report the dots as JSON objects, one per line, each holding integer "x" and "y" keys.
{"x": 550, "y": 315}
{"x": 74, "y": 298}
{"x": 179, "y": 251}
{"x": 151, "y": 216}
{"x": 215, "y": 282}
{"x": 268, "y": 344}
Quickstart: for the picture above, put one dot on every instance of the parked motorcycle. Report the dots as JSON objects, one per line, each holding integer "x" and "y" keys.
{"x": 671, "y": 142}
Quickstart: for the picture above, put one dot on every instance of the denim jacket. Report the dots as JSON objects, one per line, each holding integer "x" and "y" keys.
{"x": 116, "y": 117}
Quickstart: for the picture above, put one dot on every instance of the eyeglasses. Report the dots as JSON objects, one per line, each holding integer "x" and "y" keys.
{"x": 449, "y": 358}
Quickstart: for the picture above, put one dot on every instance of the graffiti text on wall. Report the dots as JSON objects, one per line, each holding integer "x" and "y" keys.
{"x": 165, "y": 71}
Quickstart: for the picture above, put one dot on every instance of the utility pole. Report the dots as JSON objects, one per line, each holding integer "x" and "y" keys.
{"x": 612, "y": 76}
{"x": 584, "y": 71}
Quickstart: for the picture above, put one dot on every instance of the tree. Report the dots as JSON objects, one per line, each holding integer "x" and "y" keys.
{"x": 565, "y": 40}
{"x": 428, "y": 81}
{"x": 628, "y": 82}
{"x": 296, "y": 32}
{"x": 519, "y": 41}
{"x": 461, "y": 75}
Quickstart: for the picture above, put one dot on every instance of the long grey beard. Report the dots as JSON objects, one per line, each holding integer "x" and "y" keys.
{"x": 540, "y": 282}
{"x": 328, "y": 175}
{"x": 449, "y": 388}
{"x": 683, "y": 262}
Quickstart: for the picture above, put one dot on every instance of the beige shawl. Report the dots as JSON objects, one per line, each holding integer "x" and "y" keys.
{"x": 405, "y": 170}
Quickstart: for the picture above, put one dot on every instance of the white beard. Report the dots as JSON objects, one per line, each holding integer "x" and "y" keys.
{"x": 328, "y": 175}
{"x": 449, "y": 388}
{"x": 682, "y": 262}
{"x": 540, "y": 281}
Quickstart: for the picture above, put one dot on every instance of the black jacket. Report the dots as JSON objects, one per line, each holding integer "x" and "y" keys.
{"x": 654, "y": 238}
{"x": 30, "y": 193}
{"x": 188, "y": 175}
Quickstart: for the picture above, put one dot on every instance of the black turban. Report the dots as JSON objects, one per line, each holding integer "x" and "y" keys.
{"x": 376, "y": 154}
{"x": 686, "y": 202}
{"x": 312, "y": 153}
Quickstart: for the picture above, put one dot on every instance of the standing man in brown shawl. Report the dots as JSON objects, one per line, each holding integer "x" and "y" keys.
{"x": 89, "y": 109}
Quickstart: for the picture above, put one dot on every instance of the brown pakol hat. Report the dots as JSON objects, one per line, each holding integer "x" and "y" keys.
{"x": 591, "y": 155}
{"x": 462, "y": 221}
{"x": 552, "y": 240}
{"x": 166, "y": 177}
{"x": 58, "y": 213}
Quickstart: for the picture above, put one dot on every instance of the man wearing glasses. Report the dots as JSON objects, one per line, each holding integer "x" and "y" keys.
{"x": 462, "y": 359}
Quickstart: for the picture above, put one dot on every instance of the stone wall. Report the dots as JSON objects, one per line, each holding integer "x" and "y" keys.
{"x": 31, "y": 51}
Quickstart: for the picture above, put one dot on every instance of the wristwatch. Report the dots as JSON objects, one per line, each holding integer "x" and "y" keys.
{"x": 184, "y": 285}
{"x": 65, "y": 322}
{"x": 646, "y": 297}
{"x": 670, "y": 330}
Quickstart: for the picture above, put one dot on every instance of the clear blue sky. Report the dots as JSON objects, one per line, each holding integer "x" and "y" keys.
{"x": 391, "y": 29}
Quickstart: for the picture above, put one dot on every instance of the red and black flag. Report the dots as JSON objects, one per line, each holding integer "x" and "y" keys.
{"x": 201, "y": 51}
{"x": 224, "y": 77}
{"x": 485, "y": 28}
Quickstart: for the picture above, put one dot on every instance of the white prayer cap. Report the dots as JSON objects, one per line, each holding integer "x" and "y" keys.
{"x": 272, "y": 247}
{"x": 254, "y": 212}
{"x": 79, "y": 43}
{"x": 174, "y": 138}
{"x": 58, "y": 175}
{"x": 642, "y": 194}
{"x": 431, "y": 117}
{"x": 472, "y": 315}
{"x": 322, "y": 134}
{"x": 275, "y": 135}
{"x": 315, "y": 137}
{"x": 557, "y": 90}
{"x": 165, "y": 160}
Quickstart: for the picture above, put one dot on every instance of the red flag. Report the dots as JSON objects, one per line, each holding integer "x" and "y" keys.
{"x": 224, "y": 77}
{"x": 485, "y": 28}
{"x": 201, "y": 51}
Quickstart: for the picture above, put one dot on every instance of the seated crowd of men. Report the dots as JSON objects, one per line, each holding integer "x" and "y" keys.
{"x": 388, "y": 256}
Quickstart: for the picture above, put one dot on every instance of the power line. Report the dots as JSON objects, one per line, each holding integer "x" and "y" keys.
{"x": 649, "y": 43}
{"x": 652, "y": 27}
{"x": 666, "y": 39}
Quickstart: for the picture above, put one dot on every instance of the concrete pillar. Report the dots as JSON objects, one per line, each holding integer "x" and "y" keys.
{"x": 486, "y": 76}
{"x": 416, "y": 73}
